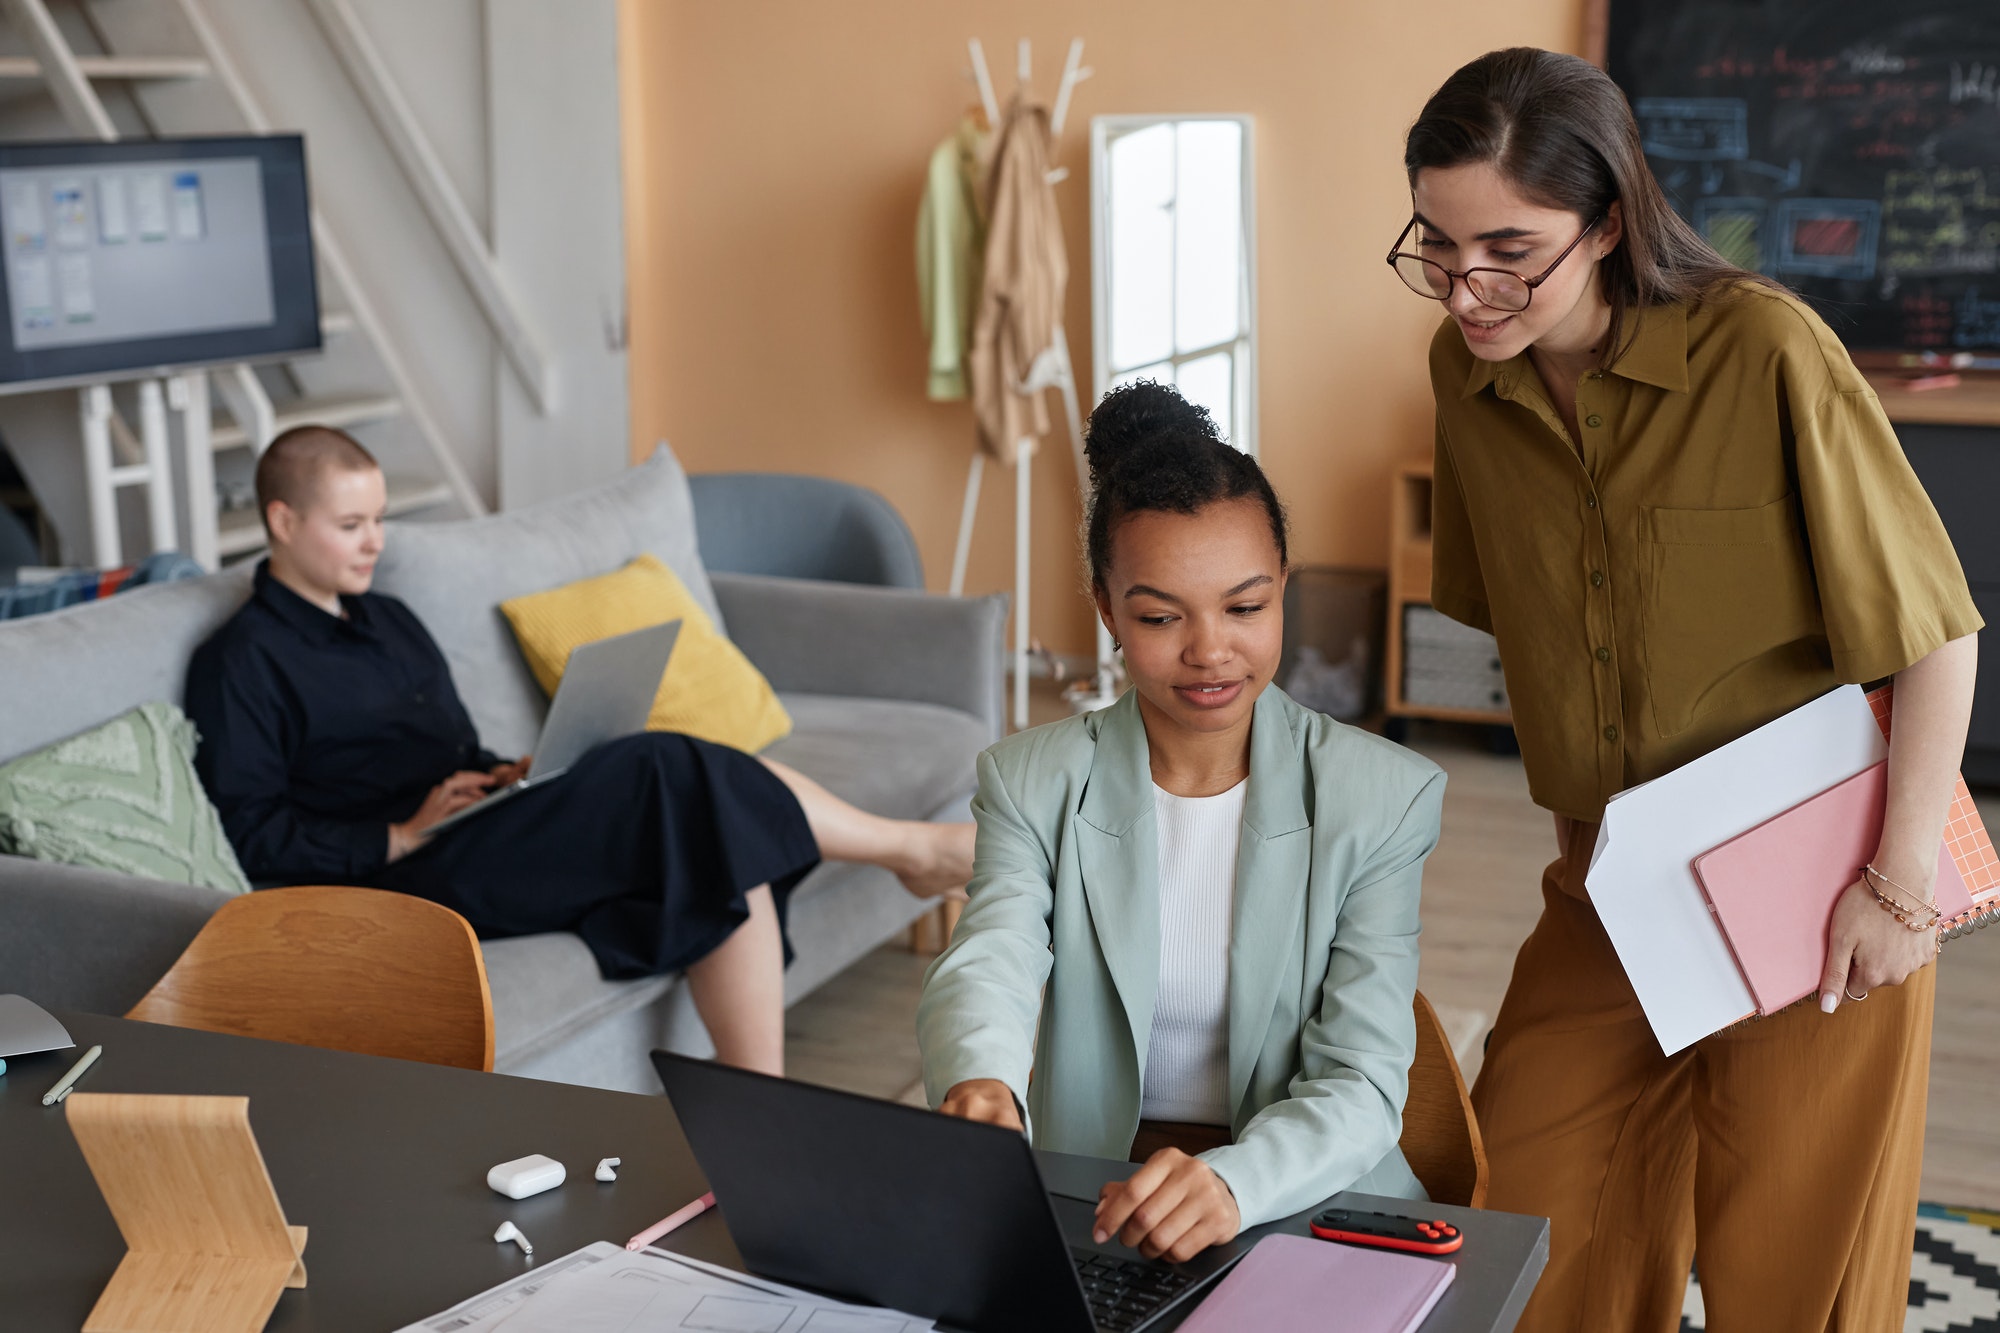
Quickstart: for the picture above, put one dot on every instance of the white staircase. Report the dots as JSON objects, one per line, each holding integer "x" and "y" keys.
{"x": 428, "y": 397}
{"x": 335, "y": 389}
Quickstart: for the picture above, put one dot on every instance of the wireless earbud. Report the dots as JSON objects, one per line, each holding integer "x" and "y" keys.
{"x": 607, "y": 1169}
{"x": 508, "y": 1231}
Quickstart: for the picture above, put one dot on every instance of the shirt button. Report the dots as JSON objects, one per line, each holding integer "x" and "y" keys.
{"x": 1604, "y": 654}
{"x": 420, "y": 698}
{"x": 1597, "y": 578}
{"x": 1593, "y": 420}
{"x": 1611, "y": 733}
{"x": 1590, "y": 502}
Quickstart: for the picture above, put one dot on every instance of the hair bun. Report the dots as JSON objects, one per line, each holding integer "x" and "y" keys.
{"x": 1135, "y": 416}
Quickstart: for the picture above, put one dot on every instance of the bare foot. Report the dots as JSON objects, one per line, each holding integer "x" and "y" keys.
{"x": 938, "y": 862}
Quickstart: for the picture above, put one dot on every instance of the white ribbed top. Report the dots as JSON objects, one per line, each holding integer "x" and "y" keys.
{"x": 1187, "y": 1057}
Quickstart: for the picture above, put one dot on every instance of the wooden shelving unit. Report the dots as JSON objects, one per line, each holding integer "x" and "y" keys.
{"x": 1410, "y": 585}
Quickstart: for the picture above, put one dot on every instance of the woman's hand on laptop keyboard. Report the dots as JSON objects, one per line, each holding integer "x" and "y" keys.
{"x": 1173, "y": 1208}
{"x": 506, "y": 775}
{"x": 446, "y": 799}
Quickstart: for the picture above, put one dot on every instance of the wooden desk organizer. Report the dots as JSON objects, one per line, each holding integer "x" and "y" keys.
{"x": 207, "y": 1244}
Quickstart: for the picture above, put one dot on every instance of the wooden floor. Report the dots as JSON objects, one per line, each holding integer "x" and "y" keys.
{"x": 1481, "y": 897}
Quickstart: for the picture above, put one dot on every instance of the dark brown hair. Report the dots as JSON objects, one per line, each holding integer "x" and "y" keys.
{"x": 289, "y": 469}
{"x": 1560, "y": 131}
{"x": 1152, "y": 450}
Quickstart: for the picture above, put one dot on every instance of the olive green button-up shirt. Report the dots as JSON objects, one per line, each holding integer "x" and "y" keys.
{"x": 1735, "y": 533}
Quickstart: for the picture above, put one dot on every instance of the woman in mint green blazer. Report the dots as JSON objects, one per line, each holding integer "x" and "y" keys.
{"x": 1045, "y": 1002}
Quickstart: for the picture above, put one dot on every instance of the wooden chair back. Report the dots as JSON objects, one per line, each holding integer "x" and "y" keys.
{"x": 350, "y": 969}
{"x": 1440, "y": 1134}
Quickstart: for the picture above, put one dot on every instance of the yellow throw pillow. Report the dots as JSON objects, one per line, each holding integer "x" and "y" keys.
{"x": 710, "y": 689}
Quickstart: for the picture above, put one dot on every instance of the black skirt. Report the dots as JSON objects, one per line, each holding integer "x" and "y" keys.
{"x": 646, "y": 849}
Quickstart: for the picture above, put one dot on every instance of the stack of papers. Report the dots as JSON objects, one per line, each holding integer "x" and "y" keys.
{"x": 604, "y": 1289}
{"x": 1642, "y": 879}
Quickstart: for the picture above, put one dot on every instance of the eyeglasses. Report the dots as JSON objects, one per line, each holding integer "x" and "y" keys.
{"x": 1494, "y": 288}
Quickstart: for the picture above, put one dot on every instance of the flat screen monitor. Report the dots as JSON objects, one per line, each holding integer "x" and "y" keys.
{"x": 153, "y": 255}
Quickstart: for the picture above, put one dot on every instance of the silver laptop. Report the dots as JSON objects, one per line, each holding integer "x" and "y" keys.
{"x": 607, "y": 692}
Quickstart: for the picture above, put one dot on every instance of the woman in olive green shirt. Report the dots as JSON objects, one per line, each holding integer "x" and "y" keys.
{"x": 1664, "y": 488}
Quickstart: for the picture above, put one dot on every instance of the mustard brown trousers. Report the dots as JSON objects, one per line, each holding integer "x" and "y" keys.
{"x": 1785, "y": 1150}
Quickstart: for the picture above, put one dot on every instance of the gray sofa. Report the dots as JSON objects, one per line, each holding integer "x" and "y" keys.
{"x": 892, "y": 693}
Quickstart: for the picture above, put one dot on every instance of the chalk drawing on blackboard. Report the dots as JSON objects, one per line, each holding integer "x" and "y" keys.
{"x": 1695, "y": 129}
{"x": 1977, "y": 322}
{"x": 1831, "y": 238}
{"x": 1735, "y": 227}
{"x": 1787, "y": 177}
{"x": 1941, "y": 220}
{"x": 1975, "y": 83}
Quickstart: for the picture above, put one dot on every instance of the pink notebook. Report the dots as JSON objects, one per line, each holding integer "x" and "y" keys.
{"x": 1297, "y": 1282}
{"x": 1773, "y": 889}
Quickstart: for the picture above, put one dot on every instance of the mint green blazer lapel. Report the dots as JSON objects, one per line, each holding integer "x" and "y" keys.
{"x": 1273, "y": 870}
{"x": 1117, "y": 845}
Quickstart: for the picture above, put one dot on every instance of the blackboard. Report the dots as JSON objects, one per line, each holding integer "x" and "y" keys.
{"x": 1848, "y": 148}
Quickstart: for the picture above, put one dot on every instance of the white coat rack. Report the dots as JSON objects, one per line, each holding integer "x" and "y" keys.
{"x": 1051, "y": 370}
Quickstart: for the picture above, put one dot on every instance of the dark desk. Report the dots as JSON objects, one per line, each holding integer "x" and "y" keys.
{"x": 385, "y": 1163}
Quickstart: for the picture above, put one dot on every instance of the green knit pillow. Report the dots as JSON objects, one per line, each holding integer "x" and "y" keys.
{"x": 123, "y": 796}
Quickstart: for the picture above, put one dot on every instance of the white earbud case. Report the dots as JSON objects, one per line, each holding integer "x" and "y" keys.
{"x": 525, "y": 1176}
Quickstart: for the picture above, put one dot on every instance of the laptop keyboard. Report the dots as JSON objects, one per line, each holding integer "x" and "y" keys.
{"x": 1124, "y": 1293}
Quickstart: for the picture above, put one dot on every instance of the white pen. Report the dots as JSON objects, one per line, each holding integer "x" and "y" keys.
{"x": 61, "y": 1089}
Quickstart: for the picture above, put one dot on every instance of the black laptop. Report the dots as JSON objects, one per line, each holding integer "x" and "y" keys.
{"x": 890, "y": 1205}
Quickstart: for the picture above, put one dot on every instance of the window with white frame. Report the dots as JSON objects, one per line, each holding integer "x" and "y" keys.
{"x": 1171, "y": 261}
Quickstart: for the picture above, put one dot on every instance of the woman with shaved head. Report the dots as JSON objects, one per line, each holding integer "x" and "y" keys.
{"x": 333, "y": 742}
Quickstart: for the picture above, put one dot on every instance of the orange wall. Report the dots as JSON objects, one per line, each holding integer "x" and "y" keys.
{"x": 775, "y": 152}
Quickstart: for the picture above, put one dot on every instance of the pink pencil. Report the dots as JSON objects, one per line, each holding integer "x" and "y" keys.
{"x": 678, "y": 1218}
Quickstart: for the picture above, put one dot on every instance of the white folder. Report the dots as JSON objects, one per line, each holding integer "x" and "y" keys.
{"x": 1642, "y": 879}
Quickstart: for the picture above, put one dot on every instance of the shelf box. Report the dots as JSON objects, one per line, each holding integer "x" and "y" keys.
{"x": 1433, "y": 666}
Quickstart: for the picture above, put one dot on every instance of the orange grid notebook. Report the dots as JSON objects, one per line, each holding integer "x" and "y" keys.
{"x": 1965, "y": 835}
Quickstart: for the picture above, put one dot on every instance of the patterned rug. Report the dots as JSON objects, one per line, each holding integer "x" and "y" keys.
{"x": 1954, "y": 1275}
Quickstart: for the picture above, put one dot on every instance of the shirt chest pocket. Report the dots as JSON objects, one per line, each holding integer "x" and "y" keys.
{"x": 1719, "y": 589}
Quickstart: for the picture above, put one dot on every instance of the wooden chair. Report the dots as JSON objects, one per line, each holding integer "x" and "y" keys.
{"x": 350, "y": 969}
{"x": 1440, "y": 1135}
{"x": 930, "y": 932}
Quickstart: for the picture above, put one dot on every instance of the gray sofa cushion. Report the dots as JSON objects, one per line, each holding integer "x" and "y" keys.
{"x": 74, "y": 937}
{"x": 70, "y": 670}
{"x": 455, "y": 575}
{"x": 903, "y": 760}
{"x": 546, "y": 989}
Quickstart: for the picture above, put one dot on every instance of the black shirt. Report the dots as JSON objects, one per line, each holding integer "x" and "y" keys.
{"x": 318, "y": 732}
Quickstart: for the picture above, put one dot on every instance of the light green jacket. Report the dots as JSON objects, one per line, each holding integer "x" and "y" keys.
{"x": 1322, "y": 952}
{"x": 951, "y": 246}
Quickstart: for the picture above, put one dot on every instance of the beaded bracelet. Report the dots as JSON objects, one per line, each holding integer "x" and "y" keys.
{"x": 1901, "y": 911}
{"x": 1909, "y": 896}
{"x": 1895, "y": 893}
{"x": 1909, "y": 901}
{"x": 1896, "y": 911}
